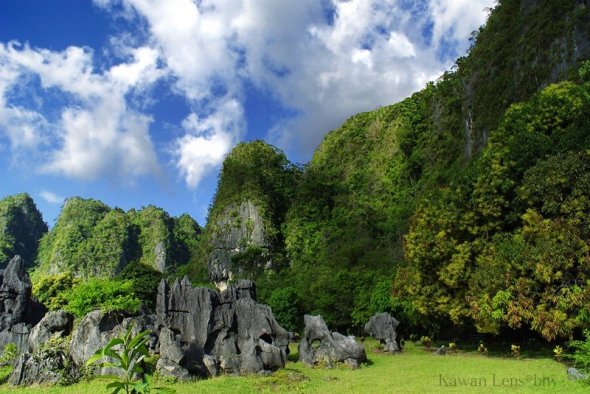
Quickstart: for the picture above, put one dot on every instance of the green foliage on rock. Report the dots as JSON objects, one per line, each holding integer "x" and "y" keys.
{"x": 91, "y": 239}
{"x": 506, "y": 244}
{"x": 21, "y": 228}
{"x": 52, "y": 290}
{"x": 255, "y": 188}
{"x": 145, "y": 281}
{"x": 284, "y": 303}
{"x": 104, "y": 294}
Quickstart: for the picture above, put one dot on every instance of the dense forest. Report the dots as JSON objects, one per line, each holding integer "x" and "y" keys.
{"x": 464, "y": 207}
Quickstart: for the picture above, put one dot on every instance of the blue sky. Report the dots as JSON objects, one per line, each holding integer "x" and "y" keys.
{"x": 136, "y": 102}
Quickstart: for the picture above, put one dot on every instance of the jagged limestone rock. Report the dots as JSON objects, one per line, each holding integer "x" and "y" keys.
{"x": 382, "y": 326}
{"x": 236, "y": 229}
{"x": 225, "y": 331}
{"x": 320, "y": 346}
{"x": 97, "y": 328}
{"x": 170, "y": 369}
{"x": 56, "y": 324}
{"x": 18, "y": 311}
{"x": 45, "y": 366}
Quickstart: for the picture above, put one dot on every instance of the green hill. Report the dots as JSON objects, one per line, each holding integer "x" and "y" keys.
{"x": 91, "y": 239}
{"x": 21, "y": 228}
{"x": 418, "y": 207}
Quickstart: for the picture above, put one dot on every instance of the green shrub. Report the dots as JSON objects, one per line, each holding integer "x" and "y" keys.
{"x": 145, "y": 281}
{"x": 581, "y": 355}
{"x": 9, "y": 354}
{"x": 426, "y": 342}
{"x": 52, "y": 290}
{"x": 285, "y": 308}
{"x": 584, "y": 71}
{"x": 104, "y": 294}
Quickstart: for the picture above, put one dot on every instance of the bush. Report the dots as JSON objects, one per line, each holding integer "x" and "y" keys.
{"x": 103, "y": 294}
{"x": 581, "y": 355}
{"x": 285, "y": 308}
{"x": 145, "y": 281}
{"x": 52, "y": 290}
{"x": 9, "y": 354}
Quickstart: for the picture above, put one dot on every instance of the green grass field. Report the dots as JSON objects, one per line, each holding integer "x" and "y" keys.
{"x": 414, "y": 371}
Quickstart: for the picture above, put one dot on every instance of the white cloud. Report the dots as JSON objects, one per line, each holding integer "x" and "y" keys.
{"x": 51, "y": 197}
{"x": 322, "y": 60}
{"x": 456, "y": 19}
{"x": 97, "y": 134}
{"x": 207, "y": 140}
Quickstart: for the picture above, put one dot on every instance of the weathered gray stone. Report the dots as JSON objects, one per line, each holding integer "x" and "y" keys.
{"x": 238, "y": 227}
{"x": 18, "y": 312}
{"x": 170, "y": 369}
{"x": 211, "y": 365}
{"x": 382, "y": 326}
{"x": 441, "y": 351}
{"x": 228, "y": 330}
{"x": 320, "y": 346}
{"x": 46, "y": 366}
{"x": 169, "y": 348}
{"x": 97, "y": 328}
{"x": 575, "y": 374}
{"x": 54, "y": 325}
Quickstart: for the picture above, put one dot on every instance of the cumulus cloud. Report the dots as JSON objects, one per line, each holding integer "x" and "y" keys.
{"x": 321, "y": 61}
{"x": 208, "y": 140}
{"x": 97, "y": 134}
{"x": 51, "y": 197}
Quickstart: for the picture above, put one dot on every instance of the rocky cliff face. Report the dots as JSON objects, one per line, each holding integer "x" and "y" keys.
{"x": 18, "y": 312}
{"x": 21, "y": 228}
{"x": 240, "y": 228}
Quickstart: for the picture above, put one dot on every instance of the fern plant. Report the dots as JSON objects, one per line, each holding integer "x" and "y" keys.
{"x": 126, "y": 354}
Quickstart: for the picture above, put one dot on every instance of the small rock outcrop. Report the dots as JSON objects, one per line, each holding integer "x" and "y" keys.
{"x": 575, "y": 374}
{"x": 320, "y": 346}
{"x": 441, "y": 351}
{"x": 382, "y": 326}
{"x": 206, "y": 332}
{"x": 18, "y": 312}
{"x": 46, "y": 366}
{"x": 54, "y": 325}
{"x": 97, "y": 328}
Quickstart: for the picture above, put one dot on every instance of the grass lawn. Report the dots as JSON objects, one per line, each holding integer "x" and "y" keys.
{"x": 414, "y": 371}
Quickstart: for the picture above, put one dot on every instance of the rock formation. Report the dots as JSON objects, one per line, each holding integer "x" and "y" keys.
{"x": 197, "y": 332}
{"x": 204, "y": 331}
{"x": 320, "y": 346}
{"x": 97, "y": 328}
{"x": 54, "y": 325}
{"x": 238, "y": 228}
{"x": 18, "y": 312}
{"x": 45, "y": 366}
{"x": 382, "y": 326}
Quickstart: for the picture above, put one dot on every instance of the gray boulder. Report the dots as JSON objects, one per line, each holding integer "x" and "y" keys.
{"x": 441, "y": 351}
{"x": 382, "y": 326}
{"x": 97, "y": 328}
{"x": 170, "y": 369}
{"x": 575, "y": 374}
{"x": 208, "y": 332}
{"x": 54, "y": 325}
{"x": 46, "y": 366}
{"x": 320, "y": 346}
{"x": 18, "y": 311}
